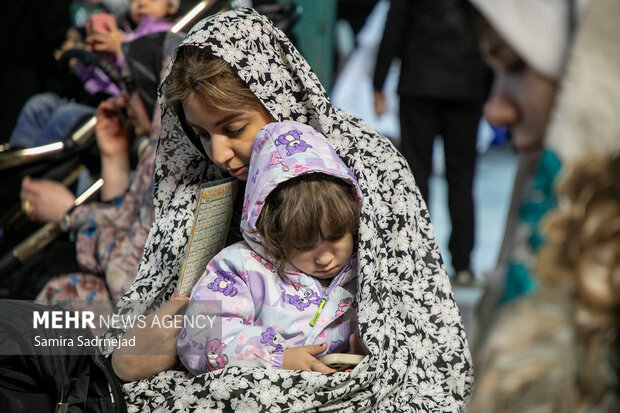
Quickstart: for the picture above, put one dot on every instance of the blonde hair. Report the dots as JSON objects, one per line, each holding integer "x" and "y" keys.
{"x": 211, "y": 78}
{"x": 586, "y": 231}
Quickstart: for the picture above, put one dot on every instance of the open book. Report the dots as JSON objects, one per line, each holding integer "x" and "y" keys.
{"x": 209, "y": 230}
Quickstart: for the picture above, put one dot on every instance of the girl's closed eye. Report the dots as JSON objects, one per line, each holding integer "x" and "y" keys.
{"x": 335, "y": 237}
{"x": 302, "y": 248}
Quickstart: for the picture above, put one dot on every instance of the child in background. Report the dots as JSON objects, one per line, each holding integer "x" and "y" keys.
{"x": 287, "y": 292}
{"x": 48, "y": 117}
{"x": 142, "y": 18}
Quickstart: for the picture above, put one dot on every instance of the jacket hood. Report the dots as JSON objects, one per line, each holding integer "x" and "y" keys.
{"x": 282, "y": 151}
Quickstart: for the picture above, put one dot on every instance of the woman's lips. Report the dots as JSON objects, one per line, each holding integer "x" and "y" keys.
{"x": 237, "y": 171}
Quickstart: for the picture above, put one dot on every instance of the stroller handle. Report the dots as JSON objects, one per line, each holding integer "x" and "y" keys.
{"x": 27, "y": 156}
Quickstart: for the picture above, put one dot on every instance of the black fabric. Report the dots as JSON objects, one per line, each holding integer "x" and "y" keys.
{"x": 457, "y": 122}
{"x": 143, "y": 56}
{"x": 30, "y": 31}
{"x": 439, "y": 55}
{"x": 37, "y": 379}
{"x": 29, "y": 278}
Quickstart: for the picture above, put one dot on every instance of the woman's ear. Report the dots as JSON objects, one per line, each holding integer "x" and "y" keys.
{"x": 189, "y": 131}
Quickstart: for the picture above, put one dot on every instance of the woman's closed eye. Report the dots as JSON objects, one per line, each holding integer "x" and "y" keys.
{"x": 235, "y": 131}
{"x": 515, "y": 66}
{"x": 203, "y": 135}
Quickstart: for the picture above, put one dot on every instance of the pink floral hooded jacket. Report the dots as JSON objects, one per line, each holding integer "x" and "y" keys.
{"x": 257, "y": 312}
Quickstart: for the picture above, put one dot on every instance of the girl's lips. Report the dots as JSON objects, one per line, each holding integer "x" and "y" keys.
{"x": 237, "y": 171}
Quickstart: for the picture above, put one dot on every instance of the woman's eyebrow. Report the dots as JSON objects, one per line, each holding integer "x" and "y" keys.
{"x": 227, "y": 118}
{"x": 223, "y": 120}
{"x": 192, "y": 125}
{"x": 496, "y": 49}
{"x": 492, "y": 47}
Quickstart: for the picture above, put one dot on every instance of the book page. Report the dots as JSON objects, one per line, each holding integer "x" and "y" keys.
{"x": 209, "y": 230}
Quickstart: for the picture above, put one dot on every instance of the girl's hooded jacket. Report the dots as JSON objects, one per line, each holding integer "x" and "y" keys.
{"x": 261, "y": 312}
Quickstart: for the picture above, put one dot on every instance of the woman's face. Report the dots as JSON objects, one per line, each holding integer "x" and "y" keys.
{"x": 227, "y": 137}
{"x": 136, "y": 110}
{"x": 521, "y": 98}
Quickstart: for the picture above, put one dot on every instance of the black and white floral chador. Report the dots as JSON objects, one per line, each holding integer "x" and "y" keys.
{"x": 408, "y": 319}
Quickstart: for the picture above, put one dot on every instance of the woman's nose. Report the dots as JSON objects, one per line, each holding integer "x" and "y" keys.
{"x": 500, "y": 109}
{"x": 221, "y": 151}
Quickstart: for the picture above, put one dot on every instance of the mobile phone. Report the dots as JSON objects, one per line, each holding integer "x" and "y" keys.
{"x": 101, "y": 22}
{"x": 342, "y": 361}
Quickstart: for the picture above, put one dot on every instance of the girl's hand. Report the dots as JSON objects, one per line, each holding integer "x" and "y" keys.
{"x": 156, "y": 347}
{"x": 302, "y": 358}
{"x": 108, "y": 40}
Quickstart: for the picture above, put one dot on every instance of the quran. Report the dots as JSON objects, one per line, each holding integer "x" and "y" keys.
{"x": 209, "y": 230}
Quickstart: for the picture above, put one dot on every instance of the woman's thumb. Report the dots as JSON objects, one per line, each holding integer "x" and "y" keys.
{"x": 174, "y": 305}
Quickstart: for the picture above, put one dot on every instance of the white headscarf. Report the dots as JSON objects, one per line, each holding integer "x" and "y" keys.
{"x": 539, "y": 30}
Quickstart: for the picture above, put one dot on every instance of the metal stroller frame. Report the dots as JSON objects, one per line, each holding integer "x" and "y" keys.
{"x": 73, "y": 146}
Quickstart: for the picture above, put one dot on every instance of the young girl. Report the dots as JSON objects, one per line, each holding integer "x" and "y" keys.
{"x": 291, "y": 283}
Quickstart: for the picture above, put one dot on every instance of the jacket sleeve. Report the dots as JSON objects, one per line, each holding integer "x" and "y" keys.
{"x": 223, "y": 296}
{"x": 394, "y": 34}
{"x": 110, "y": 237}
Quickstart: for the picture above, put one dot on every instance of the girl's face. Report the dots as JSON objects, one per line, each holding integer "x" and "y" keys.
{"x": 326, "y": 259}
{"x": 521, "y": 98}
{"x": 138, "y": 9}
{"x": 227, "y": 137}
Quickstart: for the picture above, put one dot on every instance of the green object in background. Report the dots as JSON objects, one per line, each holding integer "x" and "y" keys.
{"x": 314, "y": 33}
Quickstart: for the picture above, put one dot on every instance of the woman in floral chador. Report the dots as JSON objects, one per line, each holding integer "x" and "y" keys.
{"x": 409, "y": 324}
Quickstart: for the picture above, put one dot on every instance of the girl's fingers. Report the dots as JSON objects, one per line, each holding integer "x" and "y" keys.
{"x": 316, "y": 349}
{"x": 100, "y": 47}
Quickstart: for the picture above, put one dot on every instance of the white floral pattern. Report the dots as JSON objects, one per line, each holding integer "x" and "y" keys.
{"x": 408, "y": 319}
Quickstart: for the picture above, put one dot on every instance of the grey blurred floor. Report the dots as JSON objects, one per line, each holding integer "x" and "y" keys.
{"x": 492, "y": 188}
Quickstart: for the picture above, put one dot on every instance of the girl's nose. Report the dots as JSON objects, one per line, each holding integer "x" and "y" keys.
{"x": 324, "y": 257}
{"x": 500, "y": 109}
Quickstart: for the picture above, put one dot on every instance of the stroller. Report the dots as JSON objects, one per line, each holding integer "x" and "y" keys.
{"x": 24, "y": 245}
